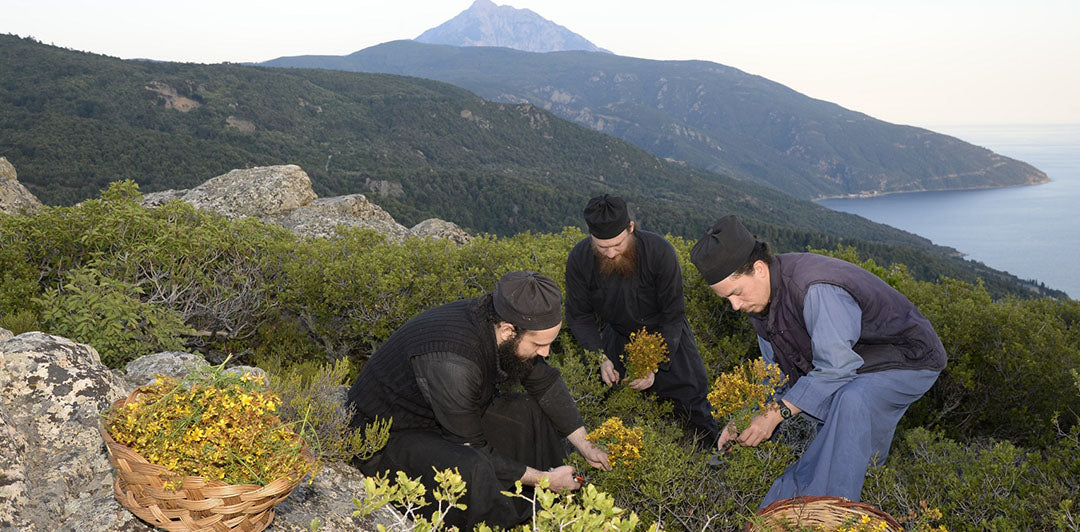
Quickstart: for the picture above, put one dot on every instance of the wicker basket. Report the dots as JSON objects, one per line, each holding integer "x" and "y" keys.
{"x": 827, "y": 512}
{"x": 198, "y": 505}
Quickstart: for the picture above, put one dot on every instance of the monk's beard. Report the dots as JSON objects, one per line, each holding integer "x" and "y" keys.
{"x": 516, "y": 368}
{"x": 624, "y": 264}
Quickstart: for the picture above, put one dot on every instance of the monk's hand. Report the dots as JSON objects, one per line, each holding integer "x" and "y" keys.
{"x": 643, "y": 383}
{"x": 608, "y": 373}
{"x": 562, "y": 479}
{"x": 760, "y": 429}
{"x": 595, "y": 456}
{"x": 727, "y": 435}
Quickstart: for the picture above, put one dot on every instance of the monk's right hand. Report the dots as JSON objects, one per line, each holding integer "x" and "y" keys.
{"x": 562, "y": 478}
{"x": 608, "y": 373}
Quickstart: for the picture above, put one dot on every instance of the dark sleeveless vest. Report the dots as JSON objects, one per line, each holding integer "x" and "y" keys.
{"x": 895, "y": 335}
{"x": 387, "y": 386}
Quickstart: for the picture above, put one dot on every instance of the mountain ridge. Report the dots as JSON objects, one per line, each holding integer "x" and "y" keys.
{"x": 709, "y": 115}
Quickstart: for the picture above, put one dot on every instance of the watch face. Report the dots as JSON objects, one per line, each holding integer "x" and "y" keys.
{"x": 785, "y": 412}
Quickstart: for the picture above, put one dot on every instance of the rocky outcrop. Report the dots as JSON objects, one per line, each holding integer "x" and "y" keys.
{"x": 155, "y": 199}
{"x": 282, "y": 195}
{"x": 436, "y": 228}
{"x": 320, "y": 218}
{"x": 14, "y": 198}
{"x": 54, "y": 470}
{"x": 256, "y": 192}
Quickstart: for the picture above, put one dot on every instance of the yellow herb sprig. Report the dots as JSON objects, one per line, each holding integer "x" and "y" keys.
{"x": 644, "y": 353}
{"x": 738, "y": 395}
{"x": 623, "y": 444}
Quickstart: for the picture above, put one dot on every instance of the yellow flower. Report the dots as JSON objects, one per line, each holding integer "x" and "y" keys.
{"x": 644, "y": 353}
{"x": 623, "y": 445}
{"x": 748, "y": 385}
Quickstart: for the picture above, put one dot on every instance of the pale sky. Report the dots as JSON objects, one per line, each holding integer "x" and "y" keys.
{"x": 918, "y": 62}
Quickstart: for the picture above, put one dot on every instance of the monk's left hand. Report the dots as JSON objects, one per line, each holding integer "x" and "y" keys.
{"x": 643, "y": 383}
{"x": 596, "y": 457}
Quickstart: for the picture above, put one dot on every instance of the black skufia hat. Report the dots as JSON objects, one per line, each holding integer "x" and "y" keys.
{"x": 606, "y": 216}
{"x": 529, "y": 300}
{"x": 725, "y": 248}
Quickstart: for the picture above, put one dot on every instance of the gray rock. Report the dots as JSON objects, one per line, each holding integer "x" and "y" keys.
{"x": 7, "y": 170}
{"x": 54, "y": 470}
{"x": 156, "y": 199}
{"x": 5, "y": 334}
{"x": 330, "y": 499}
{"x": 436, "y": 228}
{"x": 248, "y": 370}
{"x": 51, "y": 392}
{"x": 258, "y": 192}
{"x": 282, "y": 195}
{"x": 320, "y": 218}
{"x": 14, "y": 198}
{"x": 383, "y": 187}
{"x": 170, "y": 364}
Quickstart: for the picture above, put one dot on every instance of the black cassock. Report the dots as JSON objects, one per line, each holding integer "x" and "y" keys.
{"x": 602, "y": 311}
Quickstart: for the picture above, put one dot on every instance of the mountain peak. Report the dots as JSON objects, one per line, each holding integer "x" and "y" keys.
{"x": 485, "y": 23}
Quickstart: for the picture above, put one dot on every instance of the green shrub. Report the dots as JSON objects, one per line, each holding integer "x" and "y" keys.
{"x": 581, "y": 372}
{"x": 18, "y": 276}
{"x": 107, "y": 314}
{"x": 217, "y": 274}
{"x": 312, "y": 395}
{"x": 589, "y": 510}
{"x": 985, "y": 486}
{"x": 282, "y": 341}
{"x": 20, "y": 321}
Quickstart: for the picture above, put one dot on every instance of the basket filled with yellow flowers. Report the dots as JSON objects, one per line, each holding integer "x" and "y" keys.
{"x": 206, "y": 453}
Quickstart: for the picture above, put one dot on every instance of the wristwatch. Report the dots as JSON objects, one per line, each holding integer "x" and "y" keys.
{"x": 785, "y": 412}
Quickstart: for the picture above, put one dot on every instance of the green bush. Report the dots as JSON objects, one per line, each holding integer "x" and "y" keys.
{"x": 107, "y": 314}
{"x": 19, "y": 277}
{"x": 312, "y": 396}
{"x": 976, "y": 486}
{"x": 20, "y": 321}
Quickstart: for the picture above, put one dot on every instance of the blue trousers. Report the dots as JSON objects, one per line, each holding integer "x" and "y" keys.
{"x": 857, "y": 430}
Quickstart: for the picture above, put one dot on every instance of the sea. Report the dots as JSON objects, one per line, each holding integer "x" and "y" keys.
{"x": 1032, "y": 232}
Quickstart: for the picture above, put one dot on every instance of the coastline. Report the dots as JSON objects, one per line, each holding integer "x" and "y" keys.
{"x": 879, "y": 194}
{"x": 1028, "y": 231}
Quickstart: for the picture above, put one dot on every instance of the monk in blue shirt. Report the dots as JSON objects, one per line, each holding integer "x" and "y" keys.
{"x": 855, "y": 351}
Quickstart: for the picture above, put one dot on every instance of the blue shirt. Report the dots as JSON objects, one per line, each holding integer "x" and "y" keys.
{"x": 833, "y": 320}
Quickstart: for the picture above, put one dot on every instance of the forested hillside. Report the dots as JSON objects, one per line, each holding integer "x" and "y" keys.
{"x": 72, "y": 122}
{"x": 709, "y": 115}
